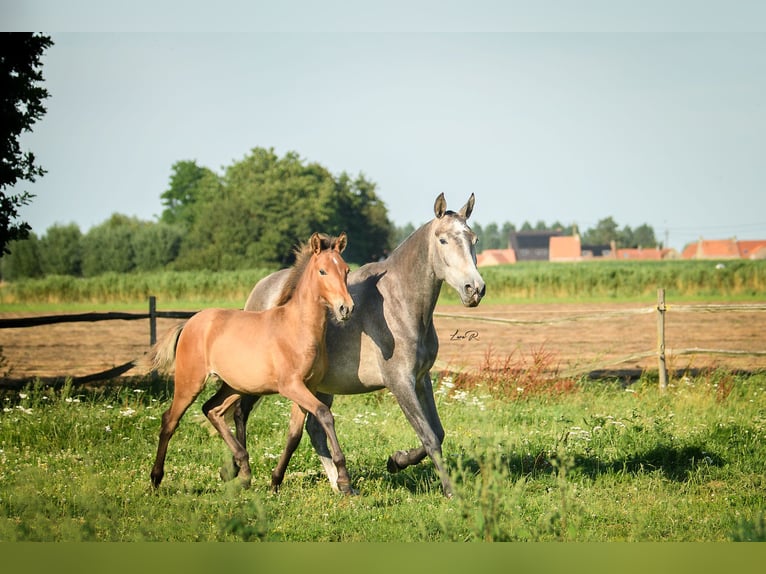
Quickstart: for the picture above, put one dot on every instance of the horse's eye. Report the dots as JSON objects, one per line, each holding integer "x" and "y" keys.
{"x": 322, "y": 272}
{"x": 442, "y": 241}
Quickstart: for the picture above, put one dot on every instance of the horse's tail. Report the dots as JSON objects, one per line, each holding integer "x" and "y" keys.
{"x": 163, "y": 353}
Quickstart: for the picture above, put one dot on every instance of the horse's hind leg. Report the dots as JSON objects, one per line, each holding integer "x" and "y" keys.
{"x": 401, "y": 459}
{"x": 413, "y": 402}
{"x": 214, "y": 410}
{"x": 182, "y": 398}
{"x": 294, "y": 434}
{"x": 241, "y": 412}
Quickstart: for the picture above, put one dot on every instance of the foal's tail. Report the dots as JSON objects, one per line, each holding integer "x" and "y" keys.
{"x": 163, "y": 353}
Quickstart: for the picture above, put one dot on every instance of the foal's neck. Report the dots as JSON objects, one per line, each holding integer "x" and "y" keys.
{"x": 307, "y": 305}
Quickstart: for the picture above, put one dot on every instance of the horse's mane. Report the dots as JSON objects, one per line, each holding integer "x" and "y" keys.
{"x": 303, "y": 254}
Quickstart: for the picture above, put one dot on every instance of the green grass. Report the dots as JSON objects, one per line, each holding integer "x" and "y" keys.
{"x": 597, "y": 462}
{"x": 540, "y": 282}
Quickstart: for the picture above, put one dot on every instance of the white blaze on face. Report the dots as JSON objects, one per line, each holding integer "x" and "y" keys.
{"x": 458, "y": 261}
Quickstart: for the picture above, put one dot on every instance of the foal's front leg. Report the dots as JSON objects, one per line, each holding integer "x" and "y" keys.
{"x": 214, "y": 410}
{"x": 297, "y": 392}
{"x": 294, "y": 434}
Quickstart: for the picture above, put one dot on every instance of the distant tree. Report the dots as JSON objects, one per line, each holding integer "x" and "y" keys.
{"x": 109, "y": 247}
{"x": 493, "y": 238}
{"x": 22, "y": 259}
{"x": 643, "y": 236}
{"x": 363, "y": 216}
{"x": 21, "y": 105}
{"x": 61, "y": 250}
{"x": 189, "y": 184}
{"x": 604, "y": 233}
{"x": 266, "y": 205}
{"x": 155, "y": 245}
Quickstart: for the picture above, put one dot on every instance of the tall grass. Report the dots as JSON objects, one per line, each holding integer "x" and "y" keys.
{"x": 596, "y": 462}
{"x": 113, "y": 288}
{"x": 603, "y": 280}
{"x": 625, "y": 280}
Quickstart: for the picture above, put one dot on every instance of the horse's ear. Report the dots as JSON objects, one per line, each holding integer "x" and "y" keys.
{"x": 465, "y": 212}
{"x": 440, "y": 206}
{"x": 316, "y": 243}
{"x": 341, "y": 241}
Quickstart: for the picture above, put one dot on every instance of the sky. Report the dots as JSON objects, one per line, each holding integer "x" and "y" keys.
{"x": 643, "y": 119}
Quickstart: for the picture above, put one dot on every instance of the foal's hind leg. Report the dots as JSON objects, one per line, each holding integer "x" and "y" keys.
{"x": 183, "y": 396}
{"x": 214, "y": 410}
{"x": 241, "y": 412}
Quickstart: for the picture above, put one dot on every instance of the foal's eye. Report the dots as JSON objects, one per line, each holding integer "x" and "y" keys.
{"x": 322, "y": 272}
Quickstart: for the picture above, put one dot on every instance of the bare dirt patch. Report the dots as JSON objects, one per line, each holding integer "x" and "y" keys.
{"x": 583, "y": 337}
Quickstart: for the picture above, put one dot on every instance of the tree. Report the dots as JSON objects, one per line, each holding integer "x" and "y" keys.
{"x": 21, "y": 105}
{"x": 643, "y": 236}
{"x": 155, "y": 245}
{"x": 189, "y": 184}
{"x": 603, "y": 234}
{"x": 109, "y": 246}
{"x": 61, "y": 250}
{"x": 266, "y": 205}
{"x": 23, "y": 259}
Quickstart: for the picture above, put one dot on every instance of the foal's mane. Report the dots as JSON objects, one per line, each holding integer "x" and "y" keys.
{"x": 303, "y": 254}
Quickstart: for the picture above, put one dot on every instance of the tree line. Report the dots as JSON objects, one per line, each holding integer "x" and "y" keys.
{"x": 252, "y": 215}
{"x": 605, "y": 232}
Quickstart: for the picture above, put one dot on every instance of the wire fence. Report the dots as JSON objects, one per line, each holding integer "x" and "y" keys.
{"x": 661, "y": 352}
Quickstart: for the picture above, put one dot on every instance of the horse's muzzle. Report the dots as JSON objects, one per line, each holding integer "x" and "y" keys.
{"x": 343, "y": 311}
{"x": 474, "y": 294}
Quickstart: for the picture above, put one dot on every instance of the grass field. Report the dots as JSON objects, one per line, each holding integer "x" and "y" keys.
{"x": 583, "y": 462}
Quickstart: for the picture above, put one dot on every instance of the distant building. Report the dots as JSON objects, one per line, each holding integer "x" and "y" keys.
{"x": 597, "y": 251}
{"x": 564, "y": 248}
{"x": 725, "y": 249}
{"x": 532, "y": 245}
{"x": 495, "y": 257}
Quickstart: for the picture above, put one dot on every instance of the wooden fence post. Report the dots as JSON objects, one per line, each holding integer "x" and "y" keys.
{"x": 661, "y": 308}
{"x": 152, "y": 320}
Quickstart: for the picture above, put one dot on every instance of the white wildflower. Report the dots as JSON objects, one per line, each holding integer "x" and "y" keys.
{"x": 128, "y": 412}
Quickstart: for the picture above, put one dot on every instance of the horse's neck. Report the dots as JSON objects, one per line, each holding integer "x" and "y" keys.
{"x": 414, "y": 268}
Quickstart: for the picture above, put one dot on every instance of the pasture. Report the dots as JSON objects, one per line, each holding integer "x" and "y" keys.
{"x": 589, "y": 461}
{"x": 534, "y": 454}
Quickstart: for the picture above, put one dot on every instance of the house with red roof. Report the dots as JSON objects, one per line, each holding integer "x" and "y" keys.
{"x": 495, "y": 257}
{"x": 724, "y": 249}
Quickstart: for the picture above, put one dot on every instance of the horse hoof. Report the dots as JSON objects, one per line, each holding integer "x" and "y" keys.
{"x": 228, "y": 472}
{"x": 347, "y": 490}
{"x": 392, "y": 466}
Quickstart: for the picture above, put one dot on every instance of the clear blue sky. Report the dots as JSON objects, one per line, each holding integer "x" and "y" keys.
{"x": 653, "y": 118}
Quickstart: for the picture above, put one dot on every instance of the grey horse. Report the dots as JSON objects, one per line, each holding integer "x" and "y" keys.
{"x": 390, "y": 341}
